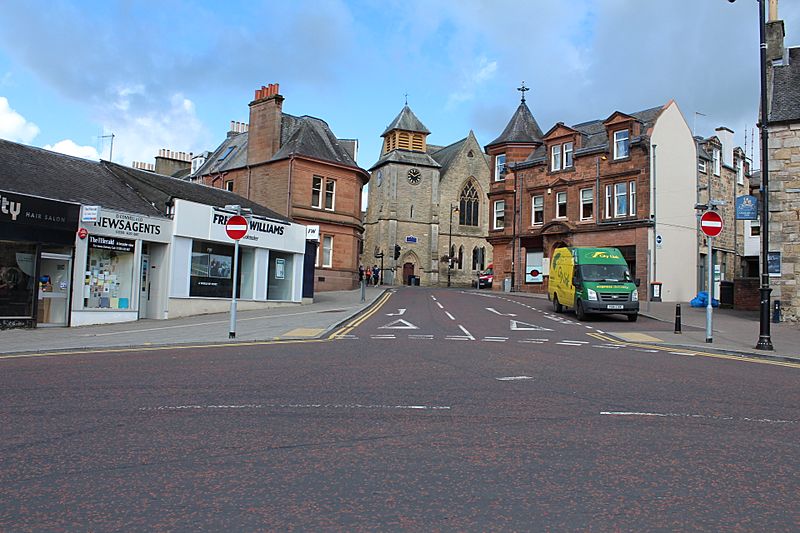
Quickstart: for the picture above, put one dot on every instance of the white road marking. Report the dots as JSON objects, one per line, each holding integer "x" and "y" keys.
{"x": 425, "y": 337}
{"x": 600, "y": 331}
{"x": 459, "y": 338}
{"x": 468, "y": 334}
{"x": 382, "y": 337}
{"x": 514, "y": 378}
{"x": 348, "y": 337}
{"x": 399, "y": 312}
{"x": 577, "y": 342}
{"x": 294, "y": 406}
{"x": 399, "y": 324}
{"x": 516, "y": 325}
{"x": 495, "y": 311}
{"x": 440, "y": 305}
{"x": 568, "y": 344}
{"x": 681, "y": 353}
{"x": 606, "y": 346}
{"x": 451, "y": 317}
{"x": 433, "y": 297}
{"x": 646, "y": 351}
{"x": 494, "y": 339}
{"x": 689, "y": 415}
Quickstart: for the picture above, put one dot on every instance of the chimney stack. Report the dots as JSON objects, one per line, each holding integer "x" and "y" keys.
{"x": 266, "y": 112}
{"x": 775, "y": 33}
{"x": 725, "y": 136}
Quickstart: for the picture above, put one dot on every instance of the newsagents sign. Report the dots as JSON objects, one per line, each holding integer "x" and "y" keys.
{"x": 130, "y": 226}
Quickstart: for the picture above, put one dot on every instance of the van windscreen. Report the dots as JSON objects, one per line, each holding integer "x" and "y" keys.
{"x": 605, "y": 273}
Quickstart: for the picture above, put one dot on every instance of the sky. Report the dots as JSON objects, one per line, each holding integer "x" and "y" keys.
{"x": 173, "y": 73}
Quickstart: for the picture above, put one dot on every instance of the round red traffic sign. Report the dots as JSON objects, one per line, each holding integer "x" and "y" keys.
{"x": 711, "y": 223}
{"x": 534, "y": 273}
{"x": 83, "y": 233}
{"x": 236, "y": 227}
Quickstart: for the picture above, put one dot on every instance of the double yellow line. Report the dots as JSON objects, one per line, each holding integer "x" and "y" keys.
{"x": 357, "y": 321}
{"x": 692, "y": 352}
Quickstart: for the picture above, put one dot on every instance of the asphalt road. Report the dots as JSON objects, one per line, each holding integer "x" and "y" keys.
{"x": 438, "y": 410}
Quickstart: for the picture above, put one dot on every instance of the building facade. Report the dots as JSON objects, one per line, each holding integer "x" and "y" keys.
{"x": 627, "y": 181}
{"x": 298, "y": 168}
{"x": 427, "y": 205}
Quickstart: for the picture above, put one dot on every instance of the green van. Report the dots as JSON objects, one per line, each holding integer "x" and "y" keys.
{"x": 592, "y": 280}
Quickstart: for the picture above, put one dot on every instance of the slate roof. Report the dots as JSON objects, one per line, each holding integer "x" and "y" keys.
{"x": 785, "y": 104}
{"x": 522, "y": 128}
{"x": 447, "y": 155}
{"x": 594, "y": 136}
{"x": 406, "y": 120}
{"x": 39, "y": 172}
{"x": 406, "y": 157}
{"x": 305, "y": 136}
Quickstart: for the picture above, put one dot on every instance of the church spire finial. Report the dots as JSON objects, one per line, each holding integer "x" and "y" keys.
{"x": 522, "y": 90}
{"x": 406, "y": 95}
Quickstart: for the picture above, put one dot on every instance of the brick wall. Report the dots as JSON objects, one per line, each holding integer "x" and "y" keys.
{"x": 745, "y": 294}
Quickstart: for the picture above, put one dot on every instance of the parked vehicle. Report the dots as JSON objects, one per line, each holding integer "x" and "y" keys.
{"x": 592, "y": 280}
{"x": 486, "y": 277}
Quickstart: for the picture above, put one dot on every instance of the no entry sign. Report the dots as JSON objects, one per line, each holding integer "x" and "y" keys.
{"x": 711, "y": 223}
{"x": 236, "y": 227}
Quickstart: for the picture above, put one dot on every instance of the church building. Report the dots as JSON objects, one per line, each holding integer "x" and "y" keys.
{"x": 427, "y": 213}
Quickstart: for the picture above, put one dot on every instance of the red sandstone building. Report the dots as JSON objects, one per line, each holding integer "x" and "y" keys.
{"x": 594, "y": 184}
{"x": 298, "y": 168}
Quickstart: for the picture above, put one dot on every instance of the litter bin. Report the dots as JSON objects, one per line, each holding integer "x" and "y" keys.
{"x": 415, "y": 280}
{"x": 726, "y": 293}
{"x": 507, "y": 285}
{"x": 655, "y": 291}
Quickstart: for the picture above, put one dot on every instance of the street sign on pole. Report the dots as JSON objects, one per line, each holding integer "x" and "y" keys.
{"x": 236, "y": 228}
{"x": 711, "y": 223}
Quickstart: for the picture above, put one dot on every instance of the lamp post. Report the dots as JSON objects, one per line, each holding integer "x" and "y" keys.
{"x": 453, "y": 209}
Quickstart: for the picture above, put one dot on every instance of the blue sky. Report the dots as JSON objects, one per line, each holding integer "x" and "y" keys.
{"x": 173, "y": 74}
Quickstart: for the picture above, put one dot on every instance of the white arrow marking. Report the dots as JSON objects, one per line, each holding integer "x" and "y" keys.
{"x": 516, "y": 325}
{"x": 399, "y": 324}
{"x": 399, "y": 312}
{"x": 495, "y": 311}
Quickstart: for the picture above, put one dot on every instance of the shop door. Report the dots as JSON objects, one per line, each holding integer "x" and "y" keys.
{"x": 144, "y": 287}
{"x": 55, "y": 272}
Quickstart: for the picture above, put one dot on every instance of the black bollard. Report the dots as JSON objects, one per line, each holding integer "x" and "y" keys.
{"x": 677, "y": 318}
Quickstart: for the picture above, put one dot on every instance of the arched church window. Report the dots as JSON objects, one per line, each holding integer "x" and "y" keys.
{"x": 460, "y": 257}
{"x": 469, "y": 205}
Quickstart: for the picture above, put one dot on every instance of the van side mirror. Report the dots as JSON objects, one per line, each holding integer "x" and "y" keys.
{"x": 637, "y": 282}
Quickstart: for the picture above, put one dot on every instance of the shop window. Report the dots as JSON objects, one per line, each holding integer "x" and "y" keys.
{"x": 281, "y": 272}
{"x": 17, "y": 268}
{"x": 211, "y": 273}
{"x": 533, "y": 266}
{"x": 108, "y": 279}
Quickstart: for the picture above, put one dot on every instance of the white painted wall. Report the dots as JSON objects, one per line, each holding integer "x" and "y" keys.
{"x": 674, "y": 181}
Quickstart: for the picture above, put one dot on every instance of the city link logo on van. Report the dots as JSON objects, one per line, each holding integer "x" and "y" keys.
{"x": 605, "y": 255}
{"x": 255, "y": 225}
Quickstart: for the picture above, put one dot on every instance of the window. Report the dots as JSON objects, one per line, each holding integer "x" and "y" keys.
{"x": 632, "y": 198}
{"x": 316, "y": 192}
{"x": 330, "y": 193}
{"x": 538, "y": 210}
{"x": 555, "y": 157}
{"x": 587, "y": 204}
{"x": 229, "y": 185}
{"x": 561, "y": 204}
{"x": 567, "y": 155}
{"x": 701, "y": 166}
{"x": 469, "y": 205}
{"x": 740, "y": 172}
{"x": 499, "y": 167}
{"x": 327, "y": 251}
{"x": 17, "y": 287}
{"x": 715, "y": 158}
{"x": 110, "y": 267}
{"x": 755, "y": 229}
{"x": 478, "y": 258}
{"x": 226, "y": 153}
{"x": 621, "y": 144}
{"x": 211, "y": 274}
{"x": 498, "y": 222}
{"x": 620, "y": 200}
{"x": 609, "y": 199}
{"x": 460, "y": 257}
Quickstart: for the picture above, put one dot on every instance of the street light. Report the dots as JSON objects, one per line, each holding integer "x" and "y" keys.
{"x": 453, "y": 209}
{"x": 764, "y": 339}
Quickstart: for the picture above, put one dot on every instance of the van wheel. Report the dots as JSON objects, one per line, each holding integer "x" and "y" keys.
{"x": 557, "y": 307}
{"x": 579, "y": 312}
{"x": 633, "y": 318}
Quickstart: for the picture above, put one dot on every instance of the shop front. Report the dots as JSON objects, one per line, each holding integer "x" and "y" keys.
{"x": 270, "y": 262}
{"x": 121, "y": 264}
{"x": 36, "y": 250}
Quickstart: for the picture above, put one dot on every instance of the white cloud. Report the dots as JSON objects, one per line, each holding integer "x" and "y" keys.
{"x": 69, "y": 147}
{"x": 483, "y": 72}
{"x": 15, "y": 127}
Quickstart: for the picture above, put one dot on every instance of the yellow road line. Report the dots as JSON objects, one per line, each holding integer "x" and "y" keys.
{"x": 693, "y": 352}
{"x": 157, "y": 348}
{"x": 345, "y": 330}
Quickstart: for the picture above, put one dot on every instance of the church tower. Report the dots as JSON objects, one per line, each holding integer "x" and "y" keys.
{"x": 414, "y": 193}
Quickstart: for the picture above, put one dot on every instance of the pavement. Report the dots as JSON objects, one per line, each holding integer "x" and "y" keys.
{"x": 734, "y": 332}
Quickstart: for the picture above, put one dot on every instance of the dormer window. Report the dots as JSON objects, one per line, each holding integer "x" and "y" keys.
{"x": 715, "y": 158}
{"x": 621, "y": 144}
{"x": 701, "y": 166}
{"x": 561, "y": 156}
{"x": 739, "y": 172}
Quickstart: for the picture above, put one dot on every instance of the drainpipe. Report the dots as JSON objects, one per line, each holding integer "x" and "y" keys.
{"x": 289, "y": 192}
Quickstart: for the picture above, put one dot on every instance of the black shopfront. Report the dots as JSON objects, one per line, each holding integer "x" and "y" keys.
{"x": 37, "y": 239}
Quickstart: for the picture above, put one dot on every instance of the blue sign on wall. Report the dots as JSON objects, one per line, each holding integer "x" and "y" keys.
{"x": 411, "y": 239}
{"x": 746, "y": 207}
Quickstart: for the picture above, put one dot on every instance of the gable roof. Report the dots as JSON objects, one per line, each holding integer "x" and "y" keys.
{"x": 406, "y": 120}
{"x": 785, "y": 103}
{"x": 522, "y": 128}
{"x": 448, "y": 154}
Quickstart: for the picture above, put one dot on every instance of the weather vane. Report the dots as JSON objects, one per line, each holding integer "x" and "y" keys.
{"x": 522, "y": 90}
{"x": 406, "y": 95}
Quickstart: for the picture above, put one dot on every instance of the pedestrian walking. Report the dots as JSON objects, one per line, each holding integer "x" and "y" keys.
{"x": 361, "y": 273}
{"x": 376, "y": 273}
